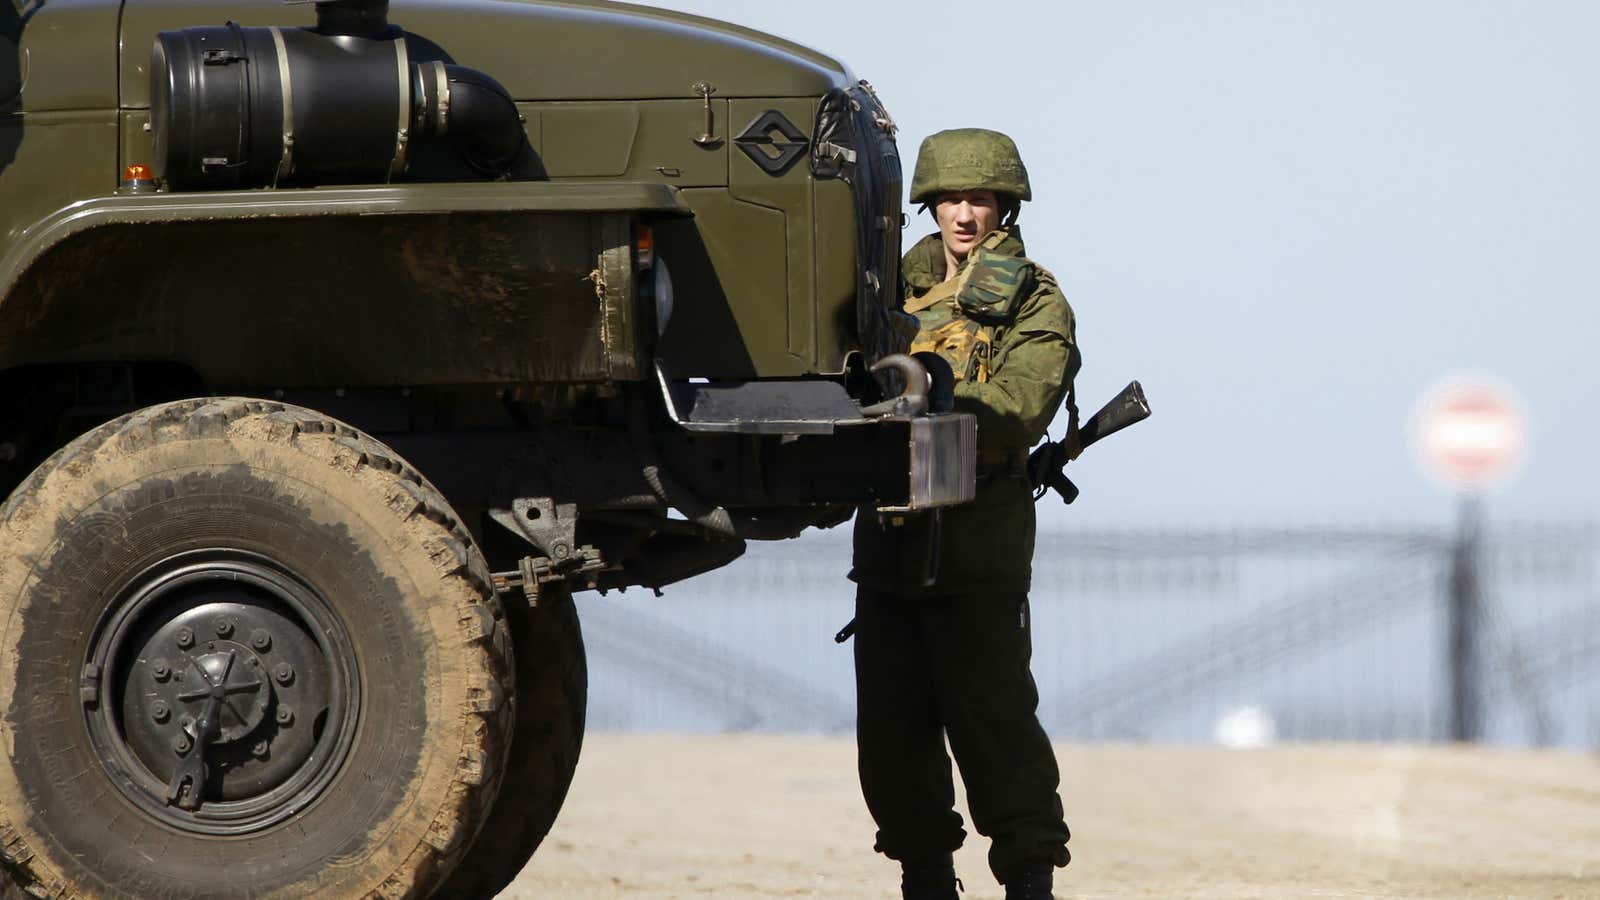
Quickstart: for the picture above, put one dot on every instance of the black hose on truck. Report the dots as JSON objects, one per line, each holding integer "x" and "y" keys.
{"x": 235, "y": 107}
{"x": 479, "y": 116}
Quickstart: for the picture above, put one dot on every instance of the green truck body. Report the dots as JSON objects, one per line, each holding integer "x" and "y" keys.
{"x": 340, "y": 346}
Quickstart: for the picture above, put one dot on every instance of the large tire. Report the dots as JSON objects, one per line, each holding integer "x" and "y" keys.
{"x": 553, "y": 686}
{"x": 157, "y": 519}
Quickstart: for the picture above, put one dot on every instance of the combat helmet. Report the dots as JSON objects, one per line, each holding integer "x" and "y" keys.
{"x": 969, "y": 159}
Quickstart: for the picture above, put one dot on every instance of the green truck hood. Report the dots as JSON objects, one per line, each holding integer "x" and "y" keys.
{"x": 540, "y": 51}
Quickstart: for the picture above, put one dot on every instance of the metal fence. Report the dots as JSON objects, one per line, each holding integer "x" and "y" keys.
{"x": 1239, "y": 635}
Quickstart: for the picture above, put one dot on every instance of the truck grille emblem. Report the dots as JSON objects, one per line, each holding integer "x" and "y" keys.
{"x": 773, "y": 142}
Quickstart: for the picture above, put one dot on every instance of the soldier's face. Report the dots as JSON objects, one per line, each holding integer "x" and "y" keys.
{"x": 964, "y": 218}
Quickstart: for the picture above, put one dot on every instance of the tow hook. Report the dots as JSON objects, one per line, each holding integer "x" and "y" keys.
{"x": 914, "y": 400}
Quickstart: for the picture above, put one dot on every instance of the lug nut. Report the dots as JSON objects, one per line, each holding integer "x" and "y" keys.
{"x": 160, "y": 711}
{"x": 185, "y": 637}
{"x": 224, "y": 628}
{"x": 160, "y": 670}
{"x": 260, "y": 749}
{"x": 285, "y": 715}
{"x": 260, "y": 640}
{"x": 284, "y": 673}
{"x": 181, "y": 744}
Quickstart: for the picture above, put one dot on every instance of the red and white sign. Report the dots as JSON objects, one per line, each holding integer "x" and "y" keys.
{"x": 1470, "y": 432}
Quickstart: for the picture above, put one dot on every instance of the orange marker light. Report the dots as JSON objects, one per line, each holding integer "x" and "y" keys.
{"x": 645, "y": 242}
{"x": 136, "y": 172}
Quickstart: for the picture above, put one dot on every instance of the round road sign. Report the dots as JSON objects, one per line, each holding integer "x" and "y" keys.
{"x": 1470, "y": 432}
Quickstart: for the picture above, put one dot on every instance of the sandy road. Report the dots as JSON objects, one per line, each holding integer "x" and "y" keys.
{"x": 725, "y": 817}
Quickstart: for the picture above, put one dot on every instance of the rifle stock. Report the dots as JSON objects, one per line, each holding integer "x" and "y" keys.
{"x": 1129, "y": 408}
{"x": 1046, "y": 465}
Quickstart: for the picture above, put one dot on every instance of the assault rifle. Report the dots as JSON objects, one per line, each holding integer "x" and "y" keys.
{"x": 1046, "y": 465}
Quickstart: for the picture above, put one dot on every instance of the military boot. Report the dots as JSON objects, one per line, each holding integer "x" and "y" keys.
{"x": 1031, "y": 883}
{"x": 929, "y": 879}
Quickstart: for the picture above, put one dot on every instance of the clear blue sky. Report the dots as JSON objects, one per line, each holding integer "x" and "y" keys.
{"x": 1287, "y": 219}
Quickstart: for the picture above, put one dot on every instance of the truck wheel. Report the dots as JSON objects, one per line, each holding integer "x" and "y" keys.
{"x": 553, "y": 687}
{"x": 244, "y": 651}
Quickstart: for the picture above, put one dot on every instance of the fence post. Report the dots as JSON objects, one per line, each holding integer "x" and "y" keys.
{"x": 1463, "y": 623}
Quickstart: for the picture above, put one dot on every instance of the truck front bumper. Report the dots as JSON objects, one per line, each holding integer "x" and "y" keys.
{"x": 806, "y": 443}
{"x": 943, "y": 467}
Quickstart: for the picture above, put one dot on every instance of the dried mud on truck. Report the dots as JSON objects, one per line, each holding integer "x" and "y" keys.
{"x": 340, "y": 347}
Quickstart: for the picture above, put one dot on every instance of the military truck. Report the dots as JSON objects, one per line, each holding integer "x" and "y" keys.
{"x": 340, "y": 346}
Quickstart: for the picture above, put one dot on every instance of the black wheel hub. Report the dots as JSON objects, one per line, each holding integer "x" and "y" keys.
{"x": 229, "y": 696}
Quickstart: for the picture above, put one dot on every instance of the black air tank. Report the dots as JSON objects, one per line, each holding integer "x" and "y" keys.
{"x": 235, "y": 107}
{"x": 243, "y": 107}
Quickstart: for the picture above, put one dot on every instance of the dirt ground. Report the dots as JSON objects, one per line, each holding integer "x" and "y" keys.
{"x": 745, "y": 816}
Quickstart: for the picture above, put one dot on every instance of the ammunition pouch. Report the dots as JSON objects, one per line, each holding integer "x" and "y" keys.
{"x": 966, "y": 346}
{"x": 994, "y": 287}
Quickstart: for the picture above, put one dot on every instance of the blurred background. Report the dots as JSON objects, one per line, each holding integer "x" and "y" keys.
{"x": 1288, "y": 219}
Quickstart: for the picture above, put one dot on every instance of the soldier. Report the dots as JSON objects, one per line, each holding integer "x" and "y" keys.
{"x": 951, "y": 658}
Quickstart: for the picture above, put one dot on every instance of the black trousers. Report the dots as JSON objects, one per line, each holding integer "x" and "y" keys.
{"x": 956, "y": 666}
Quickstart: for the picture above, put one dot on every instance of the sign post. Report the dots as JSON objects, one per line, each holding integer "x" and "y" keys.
{"x": 1470, "y": 434}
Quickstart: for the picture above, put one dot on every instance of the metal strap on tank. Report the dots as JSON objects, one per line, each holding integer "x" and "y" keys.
{"x": 286, "y": 86}
{"x": 420, "y": 101}
{"x": 441, "y": 82}
{"x": 402, "y": 138}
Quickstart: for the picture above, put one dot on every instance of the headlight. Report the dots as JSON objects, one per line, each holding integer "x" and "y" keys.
{"x": 663, "y": 292}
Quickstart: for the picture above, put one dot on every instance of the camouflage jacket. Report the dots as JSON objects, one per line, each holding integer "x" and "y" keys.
{"x": 1009, "y": 335}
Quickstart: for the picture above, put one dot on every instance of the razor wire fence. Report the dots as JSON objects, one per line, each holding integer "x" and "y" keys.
{"x": 1182, "y": 634}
